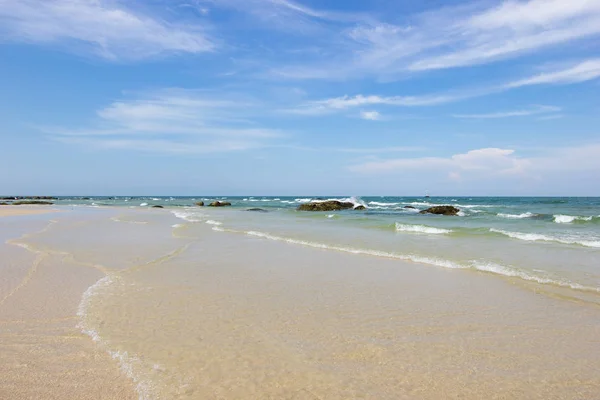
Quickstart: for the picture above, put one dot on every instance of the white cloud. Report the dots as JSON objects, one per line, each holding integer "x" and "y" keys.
{"x": 490, "y": 162}
{"x": 370, "y": 115}
{"x": 534, "y": 110}
{"x": 584, "y": 71}
{"x": 103, "y": 27}
{"x": 449, "y": 37}
{"x": 173, "y": 121}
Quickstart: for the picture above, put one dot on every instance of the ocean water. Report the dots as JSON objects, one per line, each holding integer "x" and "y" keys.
{"x": 500, "y": 302}
{"x": 549, "y": 241}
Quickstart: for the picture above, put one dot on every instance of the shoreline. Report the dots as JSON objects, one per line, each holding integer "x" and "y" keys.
{"x": 191, "y": 301}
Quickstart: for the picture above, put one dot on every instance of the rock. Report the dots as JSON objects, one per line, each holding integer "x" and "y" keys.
{"x": 441, "y": 210}
{"x": 360, "y": 207}
{"x": 257, "y": 210}
{"x": 200, "y": 204}
{"x": 411, "y": 207}
{"x": 330, "y": 205}
{"x": 219, "y": 204}
{"x": 24, "y": 202}
{"x": 3, "y": 204}
{"x": 157, "y": 207}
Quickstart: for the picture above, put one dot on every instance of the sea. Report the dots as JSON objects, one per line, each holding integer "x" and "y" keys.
{"x": 553, "y": 241}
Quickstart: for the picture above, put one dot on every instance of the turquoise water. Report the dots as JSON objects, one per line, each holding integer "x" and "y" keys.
{"x": 551, "y": 242}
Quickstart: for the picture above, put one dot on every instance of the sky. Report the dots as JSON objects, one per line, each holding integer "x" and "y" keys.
{"x": 282, "y": 97}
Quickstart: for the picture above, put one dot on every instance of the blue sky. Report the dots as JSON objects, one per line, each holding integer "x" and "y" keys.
{"x": 252, "y": 97}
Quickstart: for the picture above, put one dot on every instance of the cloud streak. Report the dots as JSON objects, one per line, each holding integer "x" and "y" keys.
{"x": 105, "y": 29}
{"x": 535, "y": 110}
{"x": 172, "y": 121}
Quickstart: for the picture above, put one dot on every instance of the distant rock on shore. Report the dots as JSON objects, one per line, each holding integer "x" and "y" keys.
{"x": 200, "y": 204}
{"x": 28, "y": 198}
{"x": 257, "y": 210}
{"x": 329, "y": 205}
{"x": 25, "y": 202}
{"x": 441, "y": 210}
{"x": 219, "y": 204}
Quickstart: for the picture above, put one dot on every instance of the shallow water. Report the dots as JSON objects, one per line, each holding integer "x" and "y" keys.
{"x": 226, "y": 304}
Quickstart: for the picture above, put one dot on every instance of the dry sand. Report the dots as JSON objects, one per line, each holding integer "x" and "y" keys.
{"x": 12, "y": 211}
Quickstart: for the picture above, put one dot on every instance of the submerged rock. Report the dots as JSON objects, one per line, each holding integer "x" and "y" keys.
{"x": 200, "y": 203}
{"x": 360, "y": 207}
{"x": 330, "y": 205}
{"x": 3, "y": 204}
{"x": 157, "y": 207}
{"x": 257, "y": 210}
{"x": 219, "y": 204}
{"x": 441, "y": 210}
{"x": 411, "y": 207}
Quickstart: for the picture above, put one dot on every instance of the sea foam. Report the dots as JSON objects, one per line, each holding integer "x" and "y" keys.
{"x": 537, "y": 237}
{"x": 420, "y": 229}
{"x": 516, "y": 216}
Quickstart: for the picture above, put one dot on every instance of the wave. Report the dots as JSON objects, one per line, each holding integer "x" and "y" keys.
{"x": 130, "y": 365}
{"x": 420, "y": 229}
{"x": 536, "y": 237}
{"x": 189, "y": 216}
{"x": 513, "y": 272}
{"x": 438, "y": 262}
{"x": 516, "y": 216}
{"x": 376, "y": 203}
{"x": 568, "y": 219}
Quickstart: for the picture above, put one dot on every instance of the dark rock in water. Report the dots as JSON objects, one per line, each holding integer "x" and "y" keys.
{"x": 3, "y": 204}
{"x": 441, "y": 210}
{"x": 25, "y": 202}
{"x": 219, "y": 204}
{"x": 157, "y": 207}
{"x": 361, "y": 207}
{"x": 257, "y": 210}
{"x": 411, "y": 207}
{"x": 200, "y": 203}
{"x": 85, "y": 198}
{"x": 330, "y": 205}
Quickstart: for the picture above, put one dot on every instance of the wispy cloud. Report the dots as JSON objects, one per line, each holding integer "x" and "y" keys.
{"x": 534, "y": 110}
{"x": 584, "y": 71}
{"x": 172, "y": 120}
{"x": 470, "y": 34}
{"x": 104, "y": 28}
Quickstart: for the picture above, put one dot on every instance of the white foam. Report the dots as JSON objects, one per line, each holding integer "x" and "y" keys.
{"x": 143, "y": 204}
{"x": 189, "y": 215}
{"x": 567, "y": 219}
{"x": 130, "y": 365}
{"x": 420, "y": 229}
{"x": 513, "y": 272}
{"x": 178, "y": 226}
{"x": 376, "y": 203}
{"x": 535, "y": 237}
{"x": 331, "y": 216}
{"x": 211, "y": 222}
{"x": 516, "y": 216}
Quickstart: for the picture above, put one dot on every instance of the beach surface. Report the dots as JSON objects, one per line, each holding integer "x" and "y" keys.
{"x": 12, "y": 211}
{"x": 151, "y": 304}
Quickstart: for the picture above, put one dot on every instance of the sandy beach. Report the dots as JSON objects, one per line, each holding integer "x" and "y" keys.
{"x": 44, "y": 353}
{"x": 117, "y": 303}
{"x": 12, "y": 211}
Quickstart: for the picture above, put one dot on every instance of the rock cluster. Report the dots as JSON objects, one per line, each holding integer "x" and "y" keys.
{"x": 28, "y": 198}
{"x": 441, "y": 210}
{"x": 329, "y": 205}
{"x": 219, "y": 204}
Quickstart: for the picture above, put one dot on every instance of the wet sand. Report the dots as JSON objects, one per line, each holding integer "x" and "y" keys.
{"x": 43, "y": 353}
{"x": 187, "y": 312}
